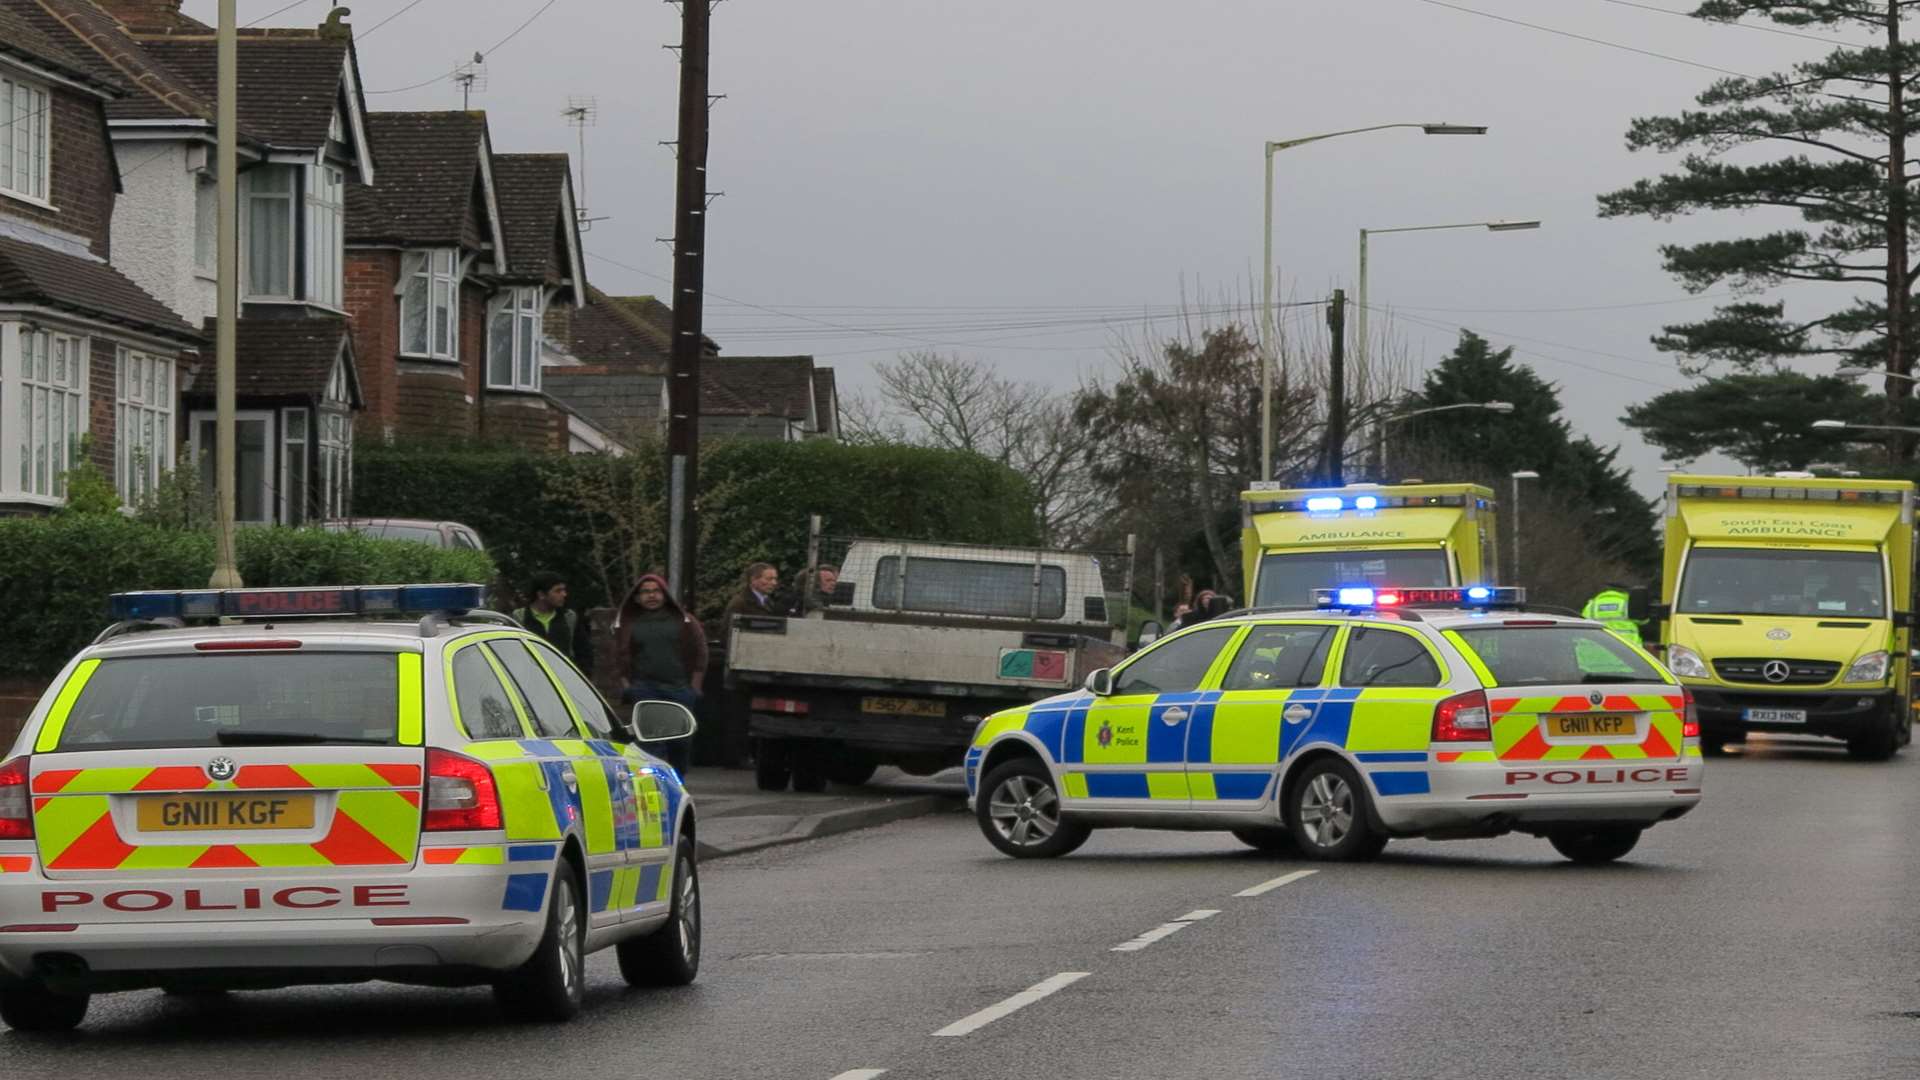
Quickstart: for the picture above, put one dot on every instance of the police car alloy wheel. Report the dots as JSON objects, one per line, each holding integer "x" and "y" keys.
{"x": 669, "y": 956}
{"x": 1019, "y": 811}
{"x": 553, "y": 984}
{"x": 28, "y": 1005}
{"x": 1327, "y": 813}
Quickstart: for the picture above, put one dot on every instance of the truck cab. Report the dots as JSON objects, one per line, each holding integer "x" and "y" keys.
{"x": 1295, "y": 540}
{"x": 1786, "y": 606}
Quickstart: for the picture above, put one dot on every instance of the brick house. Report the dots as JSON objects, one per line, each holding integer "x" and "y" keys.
{"x": 454, "y": 262}
{"x": 85, "y": 352}
{"x": 302, "y": 128}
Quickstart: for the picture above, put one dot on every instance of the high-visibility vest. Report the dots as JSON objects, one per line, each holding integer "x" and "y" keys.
{"x": 1610, "y": 609}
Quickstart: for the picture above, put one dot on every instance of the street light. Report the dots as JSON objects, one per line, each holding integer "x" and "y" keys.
{"x": 1850, "y": 372}
{"x": 1266, "y": 291}
{"x": 1523, "y": 474}
{"x": 1365, "y": 349}
{"x": 1842, "y": 425}
{"x": 1504, "y": 408}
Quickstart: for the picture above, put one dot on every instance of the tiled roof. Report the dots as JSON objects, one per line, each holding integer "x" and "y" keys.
{"x": 107, "y": 44}
{"x": 531, "y": 188}
{"x": 283, "y": 357}
{"x": 31, "y": 274}
{"x": 289, "y": 82}
{"x": 429, "y": 162}
{"x": 626, "y": 330}
{"x": 768, "y": 385}
{"x": 150, "y": 15}
{"x": 32, "y": 33}
{"x": 719, "y": 398}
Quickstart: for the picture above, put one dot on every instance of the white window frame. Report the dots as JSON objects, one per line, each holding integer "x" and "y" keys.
{"x": 334, "y": 440}
{"x": 206, "y": 222}
{"x": 144, "y": 406}
{"x": 51, "y": 386}
{"x": 26, "y": 142}
{"x": 326, "y": 234}
{"x": 518, "y": 313}
{"x": 289, "y": 199}
{"x": 430, "y": 283}
{"x": 296, "y": 500}
{"x": 268, "y": 497}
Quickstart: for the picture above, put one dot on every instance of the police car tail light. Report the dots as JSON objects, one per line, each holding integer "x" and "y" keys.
{"x": 1463, "y": 718}
{"x": 461, "y": 794}
{"x": 16, "y": 807}
{"x": 1690, "y": 719}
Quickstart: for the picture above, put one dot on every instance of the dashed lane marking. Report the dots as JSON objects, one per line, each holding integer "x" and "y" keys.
{"x": 860, "y": 1074}
{"x": 1164, "y": 930}
{"x": 1037, "y": 992}
{"x": 1268, "y": 886}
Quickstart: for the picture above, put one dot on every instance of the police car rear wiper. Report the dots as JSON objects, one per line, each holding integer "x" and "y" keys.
{"x": 290, "y": 738}
{"x": 1609, "y": 679}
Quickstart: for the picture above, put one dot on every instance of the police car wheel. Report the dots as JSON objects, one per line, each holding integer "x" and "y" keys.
{"x": 31, "y": 1006}
{"x": 553, "y": 984}
{"x": 669, "y": 956}
{"x": 1019, "y": 811}
{"x": 1273, "y": 841}
{"x": 1592, "y": 847}
{"x": 1328, "y": 816}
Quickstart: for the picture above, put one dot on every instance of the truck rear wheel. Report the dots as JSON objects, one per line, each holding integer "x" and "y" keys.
{"x": 772, "y": 764}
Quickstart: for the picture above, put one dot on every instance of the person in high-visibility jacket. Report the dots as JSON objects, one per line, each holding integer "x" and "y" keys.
{"x": 1610, "y": 609}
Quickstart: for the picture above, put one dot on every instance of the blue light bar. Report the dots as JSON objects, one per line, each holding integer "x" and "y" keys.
{"x": 1325, "y": 504}
{"x": 1367, "y": 502}
{"x": 1354, "y": 598}
{"x": 1471, "y": 596}
{"x": 335, "y": 601}
{"x": 1479, "y": 594}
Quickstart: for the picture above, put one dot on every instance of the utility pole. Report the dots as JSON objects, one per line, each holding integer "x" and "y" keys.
{"x": 226, "y": 568}
{"x": 689, "y": 289}
{"x": 1899, "y": 364}
{"x": 1337, "y": 390}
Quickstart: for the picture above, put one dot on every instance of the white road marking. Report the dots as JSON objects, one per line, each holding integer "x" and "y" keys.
{"x": 1196, "y": 916}
{"x": 860, "y": 1074}
{"x": 1164, "y": 930}
{"x": 1014, "y": 1004}
{"x": 1268, "y": 886}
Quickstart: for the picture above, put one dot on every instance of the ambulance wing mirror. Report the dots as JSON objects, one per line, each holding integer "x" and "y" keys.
{"x": 662, "y": 721}
{"x": 1639, "y": 604}
{"x": 1150, "y": 632}
{"x": 1100, "y": 683}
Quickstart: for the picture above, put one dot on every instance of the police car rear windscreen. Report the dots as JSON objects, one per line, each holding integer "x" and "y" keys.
{"x": 1557, "y": 656}
{"x": 238, "y": 699}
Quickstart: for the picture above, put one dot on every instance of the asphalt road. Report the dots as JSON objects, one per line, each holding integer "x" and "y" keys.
{"x": 1770, "y": 934}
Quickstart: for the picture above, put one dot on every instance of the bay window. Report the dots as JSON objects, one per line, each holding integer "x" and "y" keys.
{"x": 430, "y": 304}
{"x": 326, "y": 234}
{"x": 53, "y": 410}
{"x": 266, "y": 215}
{"x": 143, "y": 424}
{"x": 514, "y": 320}
{"x": 24, "y": 122}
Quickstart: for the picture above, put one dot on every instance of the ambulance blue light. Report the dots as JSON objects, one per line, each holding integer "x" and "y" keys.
{"x": 338, "y": 601}
{"x": 1367, "y": 502}
{"x": 1354, "y": 598}
{"x": 1325, "y": 504}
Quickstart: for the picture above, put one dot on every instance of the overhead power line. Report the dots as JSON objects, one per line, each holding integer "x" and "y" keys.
{"x": 531, "y": 19}
{"x": 1781, "y": 31}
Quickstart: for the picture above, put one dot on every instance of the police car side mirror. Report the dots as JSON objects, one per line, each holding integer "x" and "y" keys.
{"x": 1150, "y": 632}
{"x": 661, "y": 721}
{"x": 1100, "y": 683}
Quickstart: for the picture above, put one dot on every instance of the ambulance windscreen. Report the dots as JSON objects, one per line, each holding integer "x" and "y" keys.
{"x": 1290, "y": 578}
{"x": 1759, "y": 581}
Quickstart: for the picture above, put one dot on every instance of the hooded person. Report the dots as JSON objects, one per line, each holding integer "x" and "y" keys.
{"x": 661, "y": 650}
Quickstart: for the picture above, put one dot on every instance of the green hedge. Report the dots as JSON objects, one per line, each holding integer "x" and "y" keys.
{"x": 56, "y": 573}
{"x": 546, "y": 512}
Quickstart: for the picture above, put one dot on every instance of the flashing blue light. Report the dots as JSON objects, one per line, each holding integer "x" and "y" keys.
{"x": 1479, "y": 594}
{"x": 345, "y": 600}
{"x": 1325, "y": 504}
{"x": 1354, "y": 597}
{"x": 1367, "y": 502}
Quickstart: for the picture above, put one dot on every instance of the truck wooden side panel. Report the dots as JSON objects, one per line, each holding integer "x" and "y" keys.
{"x": 916, "y": 657}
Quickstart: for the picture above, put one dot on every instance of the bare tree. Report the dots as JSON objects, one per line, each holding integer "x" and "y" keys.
{"x": 961, "y": 403}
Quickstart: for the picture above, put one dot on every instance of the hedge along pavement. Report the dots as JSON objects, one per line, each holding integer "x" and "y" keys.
{"x": 544, "y": 511}
{"x": 56, "y": 573}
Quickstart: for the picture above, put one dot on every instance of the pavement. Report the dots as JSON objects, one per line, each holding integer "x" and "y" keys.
{"x": 1767, "y": 936}
{"x": 736, "y": 817}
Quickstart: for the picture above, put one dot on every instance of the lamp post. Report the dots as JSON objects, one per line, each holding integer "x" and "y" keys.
{"x": 1365, "y": 352}
{"x": 1523, "y": 474}
{"x": 226, "y": 571}
{"x": 1266, "y": 291}
{"x": 1504, "y": 408}
{"x": 1842, "y": 425}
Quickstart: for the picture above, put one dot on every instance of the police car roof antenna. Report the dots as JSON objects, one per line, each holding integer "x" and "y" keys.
{"x": 431, "y": 625}
{"x": 128, "y": 626}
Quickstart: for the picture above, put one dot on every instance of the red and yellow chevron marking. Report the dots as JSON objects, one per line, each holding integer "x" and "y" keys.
{"x": 249, "y": 778}
{"x": 16, "y": 864}
{"x": 370, "y": 828}
{"x": 464, "y": 856}
{"x": 1517, "y": 736}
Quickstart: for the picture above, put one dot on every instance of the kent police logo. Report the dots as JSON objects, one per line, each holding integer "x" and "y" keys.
{"x": 1105, "y": 734}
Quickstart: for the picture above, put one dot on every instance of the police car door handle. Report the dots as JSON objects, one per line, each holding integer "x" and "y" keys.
{"x": 1174, "y": 715}
{"x": 573, "y": 780}
{"x": 1296, "y": 714}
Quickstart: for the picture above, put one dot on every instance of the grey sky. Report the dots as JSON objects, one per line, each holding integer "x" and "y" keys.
{"x": 940, "y": 163}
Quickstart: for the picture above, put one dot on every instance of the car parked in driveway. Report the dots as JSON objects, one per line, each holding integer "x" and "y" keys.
{"x": 440, "y": 534}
